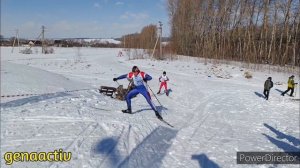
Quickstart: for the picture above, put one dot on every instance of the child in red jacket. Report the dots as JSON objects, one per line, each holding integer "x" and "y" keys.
{"x": 163, "y": 82}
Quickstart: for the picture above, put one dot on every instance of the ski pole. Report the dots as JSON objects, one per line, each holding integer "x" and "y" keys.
{"x": 156, "y": 97}
{"x": 296, "y": 90}
{"x": 118, "y": 83}
{"x": 127, "y": 86}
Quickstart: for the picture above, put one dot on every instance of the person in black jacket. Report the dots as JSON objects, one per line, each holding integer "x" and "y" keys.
{"x": 267, "y": 87}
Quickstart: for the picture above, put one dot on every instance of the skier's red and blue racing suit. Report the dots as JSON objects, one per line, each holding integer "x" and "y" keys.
{"x": 139, "y": 87}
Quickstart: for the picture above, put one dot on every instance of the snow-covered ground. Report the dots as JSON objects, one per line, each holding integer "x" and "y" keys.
{"x": 215, "y": 110}
{"x": 113, "y": 41}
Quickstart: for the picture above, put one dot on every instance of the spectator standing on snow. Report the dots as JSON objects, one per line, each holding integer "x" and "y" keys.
{"x": 267, "y": 87}
{"x": 163, "y": 82}
{"x": 138, "y": 78}
{"x": 291, "y": 86}
{"x": 120, "y": 54}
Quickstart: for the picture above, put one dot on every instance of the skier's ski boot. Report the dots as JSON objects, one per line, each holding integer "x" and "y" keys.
{"x": 158, "y": 92}
{"x": 167, "y": 93}
{"x": 127, "y": 111}
{"x": 158, "y": 115}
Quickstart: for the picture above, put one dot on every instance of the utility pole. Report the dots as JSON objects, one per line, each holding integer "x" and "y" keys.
{"x": 16, "y": 38}
{"x": 160, "y": 36}
{"x": 43, "y": 40}
{"x": 124, "y": 39}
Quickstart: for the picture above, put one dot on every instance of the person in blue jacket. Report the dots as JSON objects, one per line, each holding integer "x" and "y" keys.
{"x": 138, "y": 78}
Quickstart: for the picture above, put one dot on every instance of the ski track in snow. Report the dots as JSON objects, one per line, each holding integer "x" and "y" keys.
{"x": 214, "y": 118}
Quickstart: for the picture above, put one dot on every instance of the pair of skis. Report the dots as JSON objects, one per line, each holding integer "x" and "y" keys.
{"x": 164, "y": 121}
{"x": 160, "y": 119}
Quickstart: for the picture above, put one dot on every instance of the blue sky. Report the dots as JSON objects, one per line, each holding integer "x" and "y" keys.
{"x": 81, "y": 18}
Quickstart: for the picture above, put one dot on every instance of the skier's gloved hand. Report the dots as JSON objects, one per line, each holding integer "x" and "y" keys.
{"x": 145, "y": 80}
{"x": 115, "y": 79}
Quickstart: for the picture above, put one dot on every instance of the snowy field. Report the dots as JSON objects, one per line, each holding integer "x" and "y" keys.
{"x": 215, "y": 110}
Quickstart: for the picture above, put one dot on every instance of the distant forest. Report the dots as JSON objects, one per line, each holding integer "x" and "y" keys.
{"x": 253, "y": 31}
{"x": 256, "y": 31}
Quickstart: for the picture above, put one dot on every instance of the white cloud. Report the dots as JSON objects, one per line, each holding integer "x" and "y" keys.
{"x": 161, "y": 4}
{"x": 137, "y": 16}
{"x": 75, "y": 29}
{"x": 96, "y": 5}
{"x": 62, "y": 25}
{"x": 128, "y": 26}
{"x": 68, "y": 29}
{"x": 119, "y": 3}
{"x": 124, "y": 16}
{"x": 30, "y": 29}
{"x": 29, "y": 25}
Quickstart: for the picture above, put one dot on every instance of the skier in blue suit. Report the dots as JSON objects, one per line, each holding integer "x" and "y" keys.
{"x": 138, "y": 78}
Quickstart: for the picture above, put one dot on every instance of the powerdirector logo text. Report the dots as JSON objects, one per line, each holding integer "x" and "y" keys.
{"x": 268, "y": 157}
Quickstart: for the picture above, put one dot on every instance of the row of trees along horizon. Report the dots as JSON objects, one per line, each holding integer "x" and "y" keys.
{"x": 253, "y": 31}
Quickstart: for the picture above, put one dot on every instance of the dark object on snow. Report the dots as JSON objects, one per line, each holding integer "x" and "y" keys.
{"x": 267, "y": 87}
{"x": 259, "y": 95}
{"x": 108, "y": 91}
{"x": 158, "y": 115}
{"x": 164, "y": 121}
{"x": 120, "y": 92}
{"x": 127, "y": 111}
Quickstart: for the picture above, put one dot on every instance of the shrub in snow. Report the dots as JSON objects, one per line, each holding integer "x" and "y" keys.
{"x": 49, "y": 50}
{"x": 248, "y": 75}
{"x": 26, "y": 51}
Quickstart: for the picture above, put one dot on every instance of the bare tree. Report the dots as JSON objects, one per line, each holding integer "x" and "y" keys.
{"x": 254, "y": 31}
